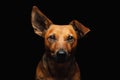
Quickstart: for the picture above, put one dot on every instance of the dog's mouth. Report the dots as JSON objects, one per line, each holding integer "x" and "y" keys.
{"x": 60, "y": 59}
{"x": 60, "y": 56}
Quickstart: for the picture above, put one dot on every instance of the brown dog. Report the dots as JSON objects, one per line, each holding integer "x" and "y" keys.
{"x": 58, "y": 62}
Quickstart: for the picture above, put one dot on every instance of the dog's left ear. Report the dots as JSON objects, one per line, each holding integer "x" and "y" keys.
{"x": 80, "y": 29}
{"x": 39, "y": 21}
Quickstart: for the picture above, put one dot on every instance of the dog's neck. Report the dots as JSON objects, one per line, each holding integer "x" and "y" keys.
{"x": 59, "y": 70}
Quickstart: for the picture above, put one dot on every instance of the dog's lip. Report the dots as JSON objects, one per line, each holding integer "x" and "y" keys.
{"x": 59, "y": 60}
{"x": 54, "y": 54}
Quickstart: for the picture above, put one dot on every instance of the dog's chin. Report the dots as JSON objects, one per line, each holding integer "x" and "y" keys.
{"x": 60, "y": 59}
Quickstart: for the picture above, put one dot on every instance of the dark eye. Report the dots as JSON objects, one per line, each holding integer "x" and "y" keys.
{"x": 70, "y": 38}
{"x": 51, "y": 38}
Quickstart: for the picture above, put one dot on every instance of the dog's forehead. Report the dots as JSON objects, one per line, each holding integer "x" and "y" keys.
{"x": 61, "y": 30}
{"x": 60, "y": 27}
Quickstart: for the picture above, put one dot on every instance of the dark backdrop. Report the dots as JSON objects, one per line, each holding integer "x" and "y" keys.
{"x": 24, "y": 48}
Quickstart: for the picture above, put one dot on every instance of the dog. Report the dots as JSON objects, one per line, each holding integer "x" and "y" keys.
{"x": 58, "y": 61}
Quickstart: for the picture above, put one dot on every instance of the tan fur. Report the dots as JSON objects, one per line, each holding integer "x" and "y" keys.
{"x": 57, "y": 37}
{"x": 61, "y": 32}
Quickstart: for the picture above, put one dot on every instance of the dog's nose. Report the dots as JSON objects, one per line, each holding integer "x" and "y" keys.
{"x": 61, "y": 56}
{"x": 61, "y": 53}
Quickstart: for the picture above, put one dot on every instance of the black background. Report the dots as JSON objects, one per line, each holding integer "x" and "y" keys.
{"x": 22, "y": 48}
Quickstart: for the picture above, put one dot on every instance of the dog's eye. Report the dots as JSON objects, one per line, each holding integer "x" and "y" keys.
{"x": 51, "y": 38}
{"x": 70, "y": 38}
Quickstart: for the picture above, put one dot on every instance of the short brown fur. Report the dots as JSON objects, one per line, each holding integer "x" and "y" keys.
{"x": 58, "y": 38}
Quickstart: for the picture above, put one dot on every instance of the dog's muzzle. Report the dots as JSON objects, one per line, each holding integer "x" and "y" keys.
{"x": 61, "y": 56}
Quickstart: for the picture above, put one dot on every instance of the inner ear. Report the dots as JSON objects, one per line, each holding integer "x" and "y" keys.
{"x": 39, "y": 21}
{"x": 80, "y": 29}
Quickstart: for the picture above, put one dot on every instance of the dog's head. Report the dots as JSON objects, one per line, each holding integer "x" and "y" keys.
{"x": 60, "y": 40}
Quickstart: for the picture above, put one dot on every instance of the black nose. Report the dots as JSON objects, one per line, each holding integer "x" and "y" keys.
{"x": 61, "y": 56}
{"x": 61, "y": 53}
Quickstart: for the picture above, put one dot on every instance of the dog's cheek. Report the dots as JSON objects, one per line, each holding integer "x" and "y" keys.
{"x": 47, "y": 44}
{"x": 53, "y": 47}
{"x": 74, "y": 44}
{"x": 68, "y": 47}
{"x": 71, "y": 46}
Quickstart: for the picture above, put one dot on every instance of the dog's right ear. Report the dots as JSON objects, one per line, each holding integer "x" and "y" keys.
{"x": 80, "y": 29}
{"x": 40, "y": 22}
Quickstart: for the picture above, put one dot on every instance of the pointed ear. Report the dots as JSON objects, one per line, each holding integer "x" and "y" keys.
{"x": 80, "y": 29}
{"x": 40, "y": 22}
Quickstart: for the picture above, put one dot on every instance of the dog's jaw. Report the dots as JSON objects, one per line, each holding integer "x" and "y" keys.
{"x": 62, "y": 68}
